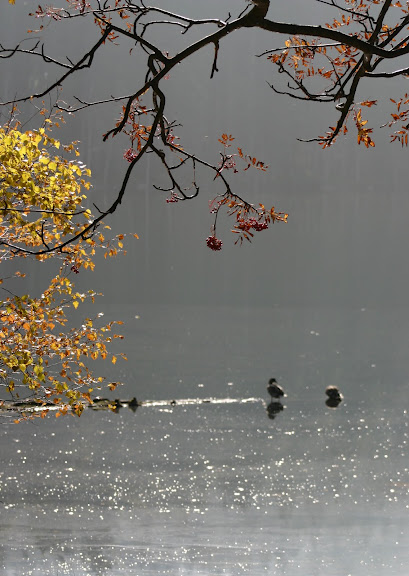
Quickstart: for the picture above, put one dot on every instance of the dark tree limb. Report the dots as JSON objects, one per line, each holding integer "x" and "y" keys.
{"x": 368, "y": 45}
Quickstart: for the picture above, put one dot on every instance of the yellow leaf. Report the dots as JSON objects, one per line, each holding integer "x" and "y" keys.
{"x": 75, "y": 304}
{"x": 38, "y": 370}
{"x": 113, "y": 359}
{"x": 12, "y": 1}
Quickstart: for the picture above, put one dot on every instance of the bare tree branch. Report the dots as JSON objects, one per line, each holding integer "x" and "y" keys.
{"x": 320, "y": 63}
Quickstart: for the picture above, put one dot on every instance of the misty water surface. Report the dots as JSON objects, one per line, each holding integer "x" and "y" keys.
{"x": 209, "y": 490}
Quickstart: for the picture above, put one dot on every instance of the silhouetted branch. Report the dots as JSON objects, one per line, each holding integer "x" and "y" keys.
{"x": 348, "y": 55}
{"x": 84, "y": 62}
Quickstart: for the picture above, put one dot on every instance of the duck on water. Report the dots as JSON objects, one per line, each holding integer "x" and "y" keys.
{"x": 333, "y": 393}
{"x": 274, "y": 389}
{"x": 334, "y": 396}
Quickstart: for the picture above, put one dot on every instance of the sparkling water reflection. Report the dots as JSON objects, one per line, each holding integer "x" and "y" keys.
{"x": 208, "y": 489}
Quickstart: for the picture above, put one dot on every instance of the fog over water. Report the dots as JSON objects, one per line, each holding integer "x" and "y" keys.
{"x": 320, "y": 300}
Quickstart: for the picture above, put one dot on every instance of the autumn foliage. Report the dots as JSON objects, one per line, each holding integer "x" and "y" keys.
{"x": 41, "y": 204}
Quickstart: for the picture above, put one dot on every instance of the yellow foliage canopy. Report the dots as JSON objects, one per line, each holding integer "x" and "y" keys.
{"x": 41, "y": 196}
{"x": 40, "y": 192}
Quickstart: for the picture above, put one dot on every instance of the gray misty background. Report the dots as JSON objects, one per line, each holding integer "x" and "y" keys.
{"x": 343, "y": 249}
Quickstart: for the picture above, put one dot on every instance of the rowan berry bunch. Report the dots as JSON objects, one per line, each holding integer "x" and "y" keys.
{"x": 214, "y": 243}
{"x": 130, "y": 154}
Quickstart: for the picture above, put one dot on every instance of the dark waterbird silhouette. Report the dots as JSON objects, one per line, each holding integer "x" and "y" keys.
{"x": 274, "y": 389}
{"x": 334, "y": 396}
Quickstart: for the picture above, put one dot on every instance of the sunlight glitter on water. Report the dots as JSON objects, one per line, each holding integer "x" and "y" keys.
{"x": 208, "y": 490}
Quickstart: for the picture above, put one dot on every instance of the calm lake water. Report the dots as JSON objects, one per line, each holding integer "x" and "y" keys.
{"x": 224, "y": 489}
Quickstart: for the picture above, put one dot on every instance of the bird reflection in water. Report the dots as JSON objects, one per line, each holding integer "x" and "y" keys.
{"x": 334, "y": 397}
{"x": 274, "y": 408}
{"x": 276, "y": 392}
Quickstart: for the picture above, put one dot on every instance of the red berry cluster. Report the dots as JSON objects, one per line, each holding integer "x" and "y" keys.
{"x": 75, "y": 269}
{"x": 247, "y": 225}
{"x": 214, "y": 243}
{"x": 172, "y": 198}
{"x": 130, "y": 154}
{"x": 258, "y": 225}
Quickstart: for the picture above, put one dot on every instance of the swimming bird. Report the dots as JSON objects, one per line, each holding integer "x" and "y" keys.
{"x": 274, "y": 389}
{"x": 333, "y": 393}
